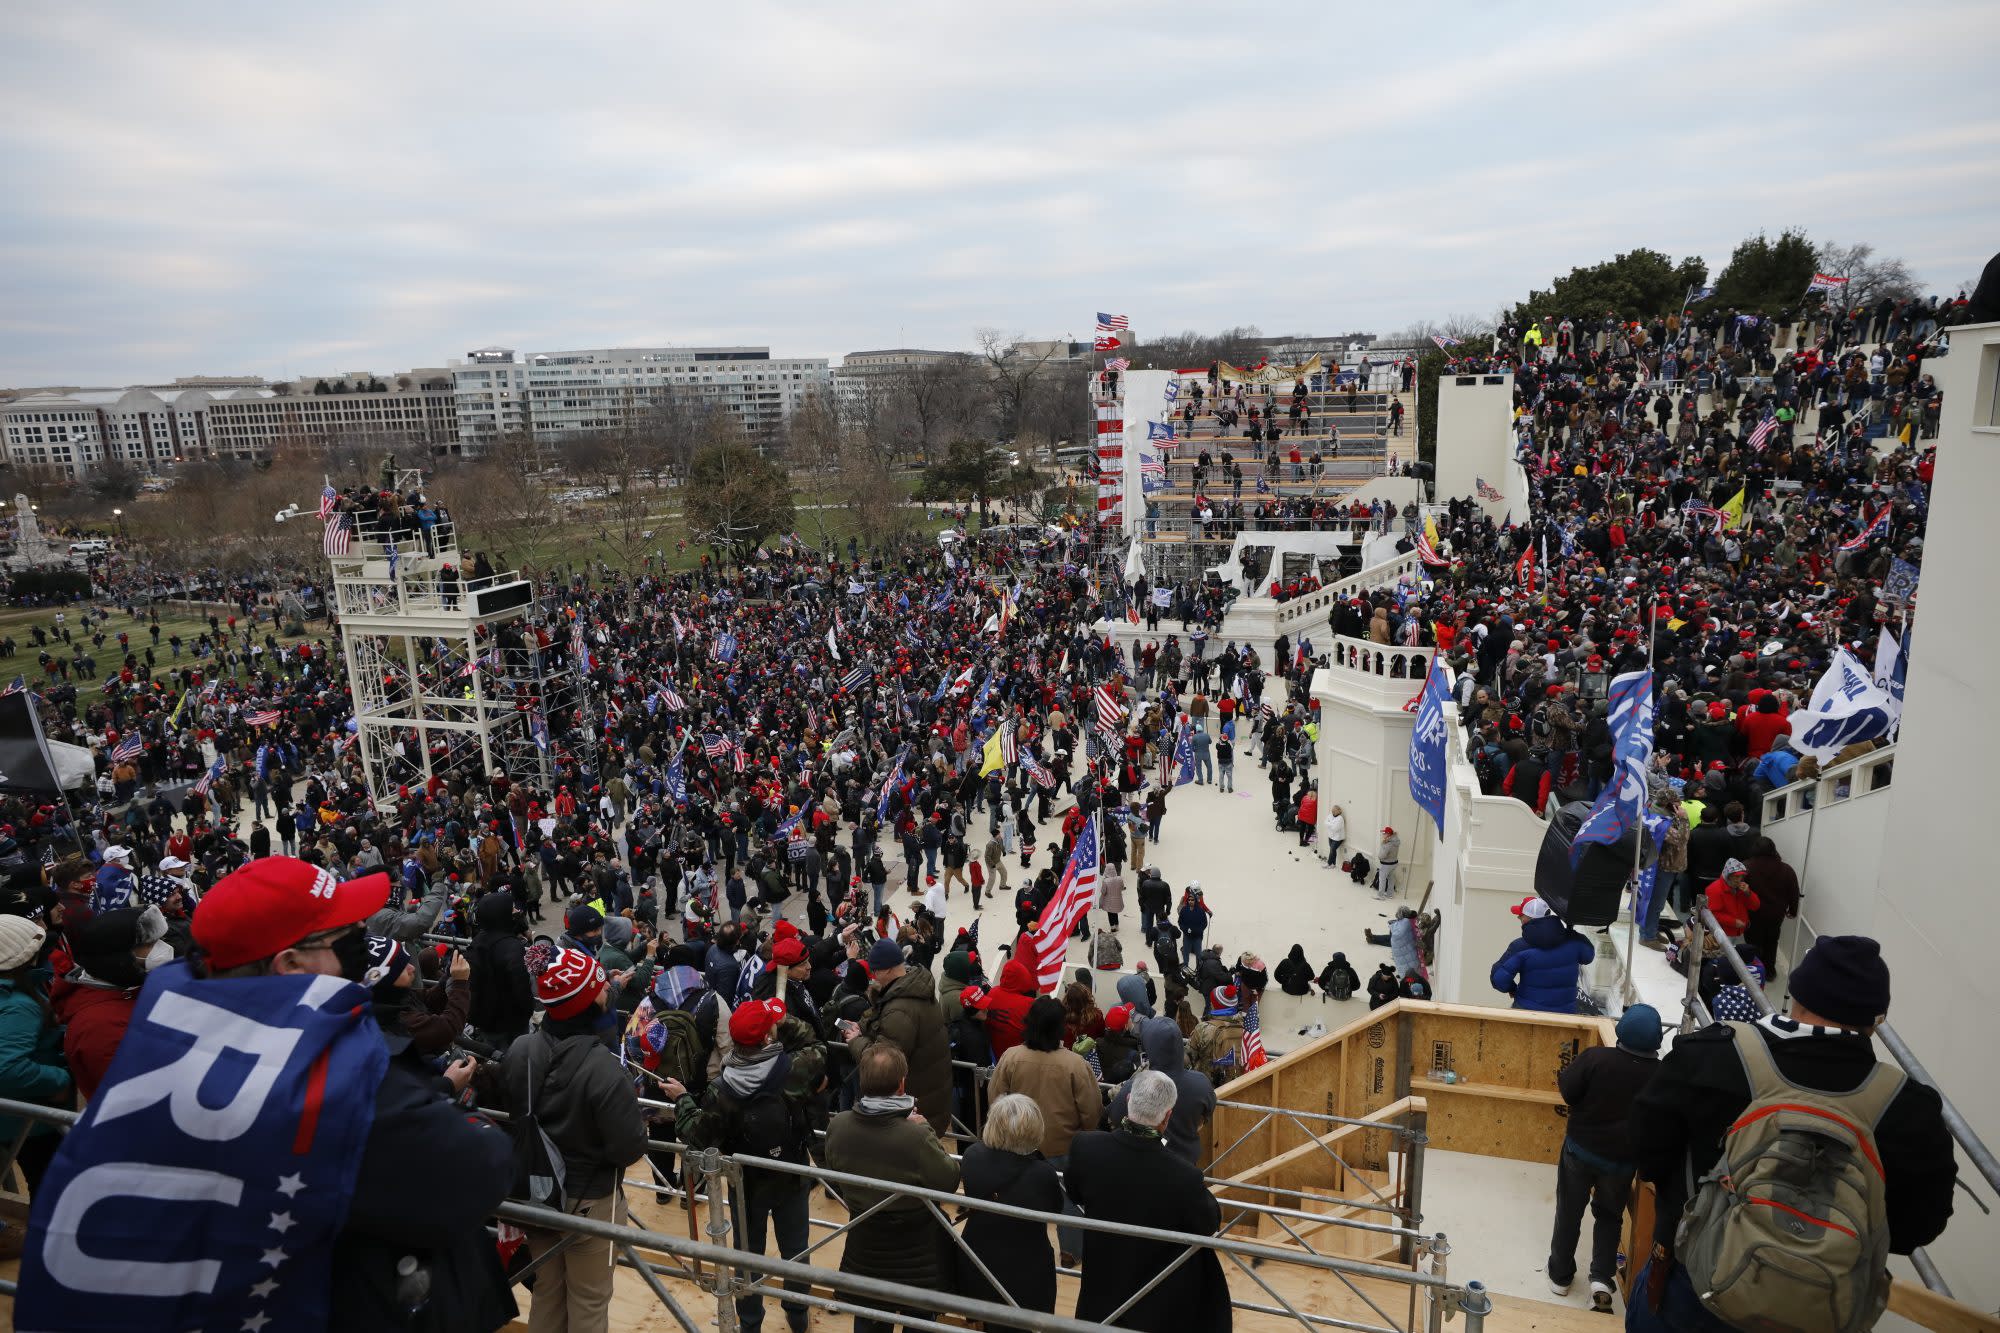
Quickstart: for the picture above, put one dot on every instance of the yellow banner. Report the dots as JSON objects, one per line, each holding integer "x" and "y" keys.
{"x": 1269, "y": 374}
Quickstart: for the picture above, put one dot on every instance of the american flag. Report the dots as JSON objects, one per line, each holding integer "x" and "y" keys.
{"x": 1110, "y": 708}
{"x": 579, "y": 645}
{"x": 207, "y": 780}
{"x": 338, "y": 537}
{"x": 1486, "y": 491}
{"x": 1876, "y": 527}
{"x": 1428, "y": 553}
{"x": 1698, "y": 511}
{"x": 129, "y": 748}
{"x": 1118, "y": 363}
{"x": 1075, "y": 895}
{"x": 326, "y": 499}
{"x": 1010, "y": 750}
{"x": 1034, "y": 769}
{"x": 715, "y": 746}
{"x": 1444, "y": 340}
{"x": 739, "y": 758}
{"x": 1253, "y": 1039}
{"x": 672, "y": 699}
{"x": 1825, "y": 282}
{"x": 263, "y": 717}
{"x": 1765, "y": 430}
{"x": 1112, "y": 323}
{"x": 889, "y": 785}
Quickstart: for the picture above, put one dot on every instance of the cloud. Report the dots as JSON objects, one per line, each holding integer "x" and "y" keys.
{"x": 393, "y": 185}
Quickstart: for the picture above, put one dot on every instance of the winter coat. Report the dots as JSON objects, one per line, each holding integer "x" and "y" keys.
{"x": 1015, "y": 1251}
{"x": 93, "y": 1016}
{"x": 1166, "y": 1051}
{"x": 585, "y": 1103}
{"x": 906, "y": 1014}
{"x": 1131, "y": 1177}
{"x": 1732, "y": 908}
{"x": 465, "y": 1162}
{"x": 1540, "y": 969}
{"x": 1007, "y": 1006}
{"x": 1060, "y": 1083}
{"x": 902, "y": 1241}
{"x": 1403, "y": 946}
{"x": 1338, "y": 969}
{"x": 31, "y": 1057}
{"x": 1700, "y": 1090}
{"x": 1294, "y": 973}
{"x": 1382, "y": 988}
{"x": 1111, "y": 893}
{"x": 1600, "y": 1086}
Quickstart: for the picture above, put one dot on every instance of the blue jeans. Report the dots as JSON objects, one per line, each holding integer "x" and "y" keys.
{"x": 1681, "y": 1311}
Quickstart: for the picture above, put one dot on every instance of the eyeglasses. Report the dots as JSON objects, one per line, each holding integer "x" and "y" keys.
{"x": 307, "y": 945}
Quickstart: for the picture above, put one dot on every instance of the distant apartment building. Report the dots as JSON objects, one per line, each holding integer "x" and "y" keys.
{"x": 149, "y": 429}
{"x": 558, "y": 395}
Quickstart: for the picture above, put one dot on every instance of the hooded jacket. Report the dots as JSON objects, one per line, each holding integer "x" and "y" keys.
{"x": 503, "y": 995}
{"x": 585, "y": 1102}
{"x": 1295, "y": 974}
{"x": 1007, "y": 1006}
{"x": 1542, "y": 973}
{"x": 1135, "y": 991}
{"x": 93, "y": 1016}
{"x": 1166, "y": 1051}
{"x": 906, "y": 1014}
{"x": 901, "y": 1241}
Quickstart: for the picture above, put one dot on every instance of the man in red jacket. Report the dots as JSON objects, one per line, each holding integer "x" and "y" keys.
{"x": 114, "y": 951}
{"x": 1731, "y": 899}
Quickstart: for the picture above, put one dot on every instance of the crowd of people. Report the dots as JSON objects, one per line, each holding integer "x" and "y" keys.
{"x": 686, "y": 930}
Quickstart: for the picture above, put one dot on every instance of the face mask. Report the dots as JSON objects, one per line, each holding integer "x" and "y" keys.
{"x": 351, "y": 951}
{"x": 159, "y": 955}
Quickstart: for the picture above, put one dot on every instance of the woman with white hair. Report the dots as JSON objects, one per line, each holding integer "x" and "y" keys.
{"x": 1007, "y": 1166}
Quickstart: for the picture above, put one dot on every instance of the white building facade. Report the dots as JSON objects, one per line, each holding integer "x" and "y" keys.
{"x": 558, "y": 395}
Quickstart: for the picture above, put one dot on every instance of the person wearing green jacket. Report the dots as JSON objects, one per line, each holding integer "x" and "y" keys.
{"x": 32, "y": 1068}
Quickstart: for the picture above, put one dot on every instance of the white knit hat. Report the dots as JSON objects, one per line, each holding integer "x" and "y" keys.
{"x": 20, "y": 941}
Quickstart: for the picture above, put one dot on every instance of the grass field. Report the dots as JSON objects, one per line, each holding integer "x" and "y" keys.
{"x": 178, "y": 618}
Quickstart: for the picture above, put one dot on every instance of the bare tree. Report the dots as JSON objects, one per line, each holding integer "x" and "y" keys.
{"x": 1869, "y": 278}
{"x": 1015, "y": 367}
{"x": 813, "y": 442}
{"x": 926, "y": 404}
{"x": 1187, "y": 349}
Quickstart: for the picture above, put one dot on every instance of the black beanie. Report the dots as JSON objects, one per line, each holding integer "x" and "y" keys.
{"x": 1843, "y": 979}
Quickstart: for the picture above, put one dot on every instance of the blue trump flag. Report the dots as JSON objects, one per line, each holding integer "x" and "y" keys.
{"x": 1427, "y": 748}
{"x": 211, "y": 1174}
{"x": 1657, "y": 828}
{"x": 677, "y": 778}
{"x": 1184, "y": 755}
{"x": 1623, "y": 800}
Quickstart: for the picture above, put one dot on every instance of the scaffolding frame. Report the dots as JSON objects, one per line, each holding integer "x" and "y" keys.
{"x": 427, "y": 671}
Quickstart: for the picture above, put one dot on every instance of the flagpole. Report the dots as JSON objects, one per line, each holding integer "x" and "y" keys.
{"x": 1639, "y": 829}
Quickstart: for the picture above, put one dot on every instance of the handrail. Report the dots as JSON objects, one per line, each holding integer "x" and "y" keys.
{"x": 722, "y": 1259}
{"x": 1789, "y": 801}
{"x": 1323, "y": 599}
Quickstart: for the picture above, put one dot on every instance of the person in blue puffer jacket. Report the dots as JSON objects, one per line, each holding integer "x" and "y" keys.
{"x": 1540, "y": 969}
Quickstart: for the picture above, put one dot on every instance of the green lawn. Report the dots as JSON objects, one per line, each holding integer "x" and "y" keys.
{"x": 179, "y": 619}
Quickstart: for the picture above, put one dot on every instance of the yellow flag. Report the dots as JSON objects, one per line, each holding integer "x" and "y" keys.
{"x": 1431, "y": 531}
{"x": 993, "y": 760}
{"x": 1732, "y": 510}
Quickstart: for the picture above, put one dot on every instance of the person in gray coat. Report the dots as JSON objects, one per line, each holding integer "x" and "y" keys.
{"x": 1165, "y": 1050}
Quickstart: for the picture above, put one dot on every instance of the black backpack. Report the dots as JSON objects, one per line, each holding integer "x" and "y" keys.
{"x": 539, "y": 1169}
{"x": 768, "y": 1124}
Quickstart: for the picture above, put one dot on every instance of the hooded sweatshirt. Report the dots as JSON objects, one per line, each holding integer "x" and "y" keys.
{"x": 1165, "y": 1050}
{"x": 1007, "y": 1006}
{"x": 1133, "y": 990}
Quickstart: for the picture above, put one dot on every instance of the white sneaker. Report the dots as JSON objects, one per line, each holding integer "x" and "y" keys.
{"x": 1559, "y": 1288}
{"x": 1600, "y": 1297}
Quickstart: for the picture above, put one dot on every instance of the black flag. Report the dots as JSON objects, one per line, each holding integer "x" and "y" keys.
{"x": 25, "y": 764}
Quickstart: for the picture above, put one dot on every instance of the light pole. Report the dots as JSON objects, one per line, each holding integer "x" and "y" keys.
{"x": 119, "y": 516}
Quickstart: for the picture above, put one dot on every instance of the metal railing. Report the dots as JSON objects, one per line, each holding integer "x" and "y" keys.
{"x": 730, "y": 1271}
{"x": 1695, "y": 1013}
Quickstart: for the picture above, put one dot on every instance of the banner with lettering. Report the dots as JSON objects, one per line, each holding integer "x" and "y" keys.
{"x": 1270, "y": 374}
{"x": 205, "y": 1184}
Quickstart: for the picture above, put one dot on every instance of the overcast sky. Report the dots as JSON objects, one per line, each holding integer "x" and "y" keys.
{"x": 281, "y": 189}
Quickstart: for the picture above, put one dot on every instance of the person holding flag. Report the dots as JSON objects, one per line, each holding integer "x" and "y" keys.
{"x": 291, "y": 1203}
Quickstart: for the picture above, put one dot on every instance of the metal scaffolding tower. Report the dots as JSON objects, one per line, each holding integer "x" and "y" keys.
{"x": 448, "y": 677}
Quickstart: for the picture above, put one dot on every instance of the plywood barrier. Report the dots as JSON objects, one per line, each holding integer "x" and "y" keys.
{"x": 1477, "y": 1080}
